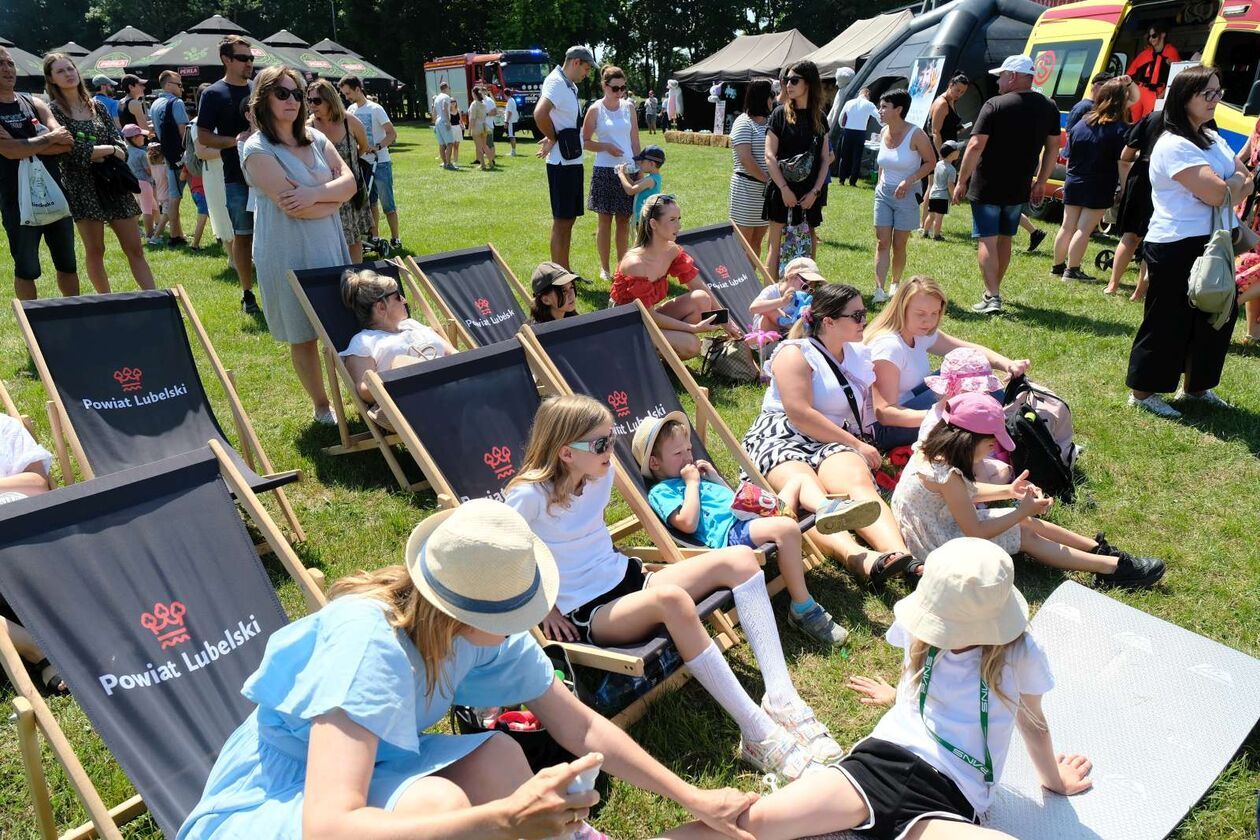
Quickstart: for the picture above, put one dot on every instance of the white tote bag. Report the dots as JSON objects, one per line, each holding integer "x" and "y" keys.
{"x": 40, "y": 200}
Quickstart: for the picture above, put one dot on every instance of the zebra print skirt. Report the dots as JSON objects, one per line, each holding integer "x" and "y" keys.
{"x": 772, "y": 440}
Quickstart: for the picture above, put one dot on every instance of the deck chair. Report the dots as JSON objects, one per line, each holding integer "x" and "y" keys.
{"x": 615, "y": 356}
{"x": 154, "y": 628}
{"x": 125, "y": 390}
{"x": 477, "y": 293}
{"x": 466, "y": 420}
{"x": 319, "y": 292}
{"x": 728, "y": 265}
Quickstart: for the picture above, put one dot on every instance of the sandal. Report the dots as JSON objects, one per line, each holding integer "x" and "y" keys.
{"x": 889, "y": 564}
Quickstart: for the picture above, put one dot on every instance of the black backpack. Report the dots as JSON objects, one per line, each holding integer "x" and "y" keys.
{"x": 1033, "y": 415}
{"x": 168, "y": 137}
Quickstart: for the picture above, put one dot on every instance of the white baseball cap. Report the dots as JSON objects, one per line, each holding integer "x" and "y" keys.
{"x": 1021, "y": 64}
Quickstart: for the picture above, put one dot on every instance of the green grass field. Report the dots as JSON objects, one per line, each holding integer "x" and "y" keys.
{"x": 1181, "y": 490}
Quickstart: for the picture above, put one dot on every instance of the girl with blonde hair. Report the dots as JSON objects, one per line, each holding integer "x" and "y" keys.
{"x": 900, "y": 339}
{"x": 605, "y": 598}
{"x": 341, "y": 740}
{"x": 349, "y": 138}
{"x": 938, "y": 752}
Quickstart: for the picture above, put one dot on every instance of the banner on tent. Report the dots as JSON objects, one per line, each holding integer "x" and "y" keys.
{"x": 925, "y": 80}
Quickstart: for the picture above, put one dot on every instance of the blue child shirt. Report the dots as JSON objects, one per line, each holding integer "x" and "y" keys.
{"x": 655, "y": 178}
{"x": 716, "y": 518}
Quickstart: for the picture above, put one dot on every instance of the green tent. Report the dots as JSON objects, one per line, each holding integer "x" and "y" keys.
{"x": 30, "y": 67}
{"x": 195, "y": 54}
{"x": 118, "y": 50}
{"x": 299, "y": 53}
{"x": 349, "y": 63}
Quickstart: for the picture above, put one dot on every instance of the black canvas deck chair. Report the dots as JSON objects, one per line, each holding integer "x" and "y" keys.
{"x": 153, "y": 628}
{"x": 466, "y": 420}
{"x": 728, "y": 265}
{"x": 615, "y": 356}
{"x": 477, "y": 292}
{"x": 125, "y": 389}
{"x": 319, "y": 292}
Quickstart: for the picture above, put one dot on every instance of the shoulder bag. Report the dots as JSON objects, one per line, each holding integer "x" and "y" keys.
{"x": 40, "y": 199}
{"x": 1211, "y": 288}
{"x": 861, "y": 434}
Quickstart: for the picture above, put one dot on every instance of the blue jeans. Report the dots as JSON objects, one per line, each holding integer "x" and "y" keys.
{"x": 238, "y": 208}
{"x": 383, "y": 186}
{"x": 995, "y": 219}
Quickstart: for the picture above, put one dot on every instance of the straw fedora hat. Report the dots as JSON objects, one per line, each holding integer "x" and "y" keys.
{"x": 649, "y": 429}
{"x": 967, "y": 596}
{"x": 482, "y": 565}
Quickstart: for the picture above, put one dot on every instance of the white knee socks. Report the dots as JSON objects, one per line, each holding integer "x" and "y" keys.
{"x": 713, "y": 672}
{"x": 756, "y": 616}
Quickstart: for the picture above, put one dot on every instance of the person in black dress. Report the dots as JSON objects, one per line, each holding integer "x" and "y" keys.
{"x": 797, "y": 153}
{"x": 1135, "y": 201}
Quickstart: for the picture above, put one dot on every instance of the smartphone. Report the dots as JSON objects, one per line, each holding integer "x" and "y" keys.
{"x": 719, "y": 316}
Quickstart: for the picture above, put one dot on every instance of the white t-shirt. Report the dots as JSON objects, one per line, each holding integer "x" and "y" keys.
{"x": 562, "y": 94}
{"x": 829, "y": 396}
{"x": 442, "y": 109}
{"x": 412, "y": 339}
{"x": 1178, "y": 214}
{"x": 18, "y": 448}
{"x": 578, "y": 538}
{"x": 953, "y": 707}
{"x": 857, "y": 113}
{"x": 912, "y": 362}
{"x": 511, "y": 113}
{"x": 374, "y": 120}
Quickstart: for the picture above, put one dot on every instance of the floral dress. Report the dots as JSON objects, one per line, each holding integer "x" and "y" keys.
{"x": 85, "y": 200}
{"x": 356, "y": 217}
{"x": 924, "y": 517}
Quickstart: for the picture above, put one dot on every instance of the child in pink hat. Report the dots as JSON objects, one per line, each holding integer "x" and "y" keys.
{"x": 966, "y": 370}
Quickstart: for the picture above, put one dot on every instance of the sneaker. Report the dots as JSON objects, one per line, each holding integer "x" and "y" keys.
{"x": 988, "y": 305}
{"x": 777, "y": 753}
{"x": 395, "y": 244}
{"x": 325, "y": 417}
{"x": 938, "y": 238}
{"x": 818, "y": 624}
{"x": 846, "y": 515}
{"x": 1155, "y": 405}
{"x": 1131, "y": 572}
{"x": 802, "y": 724}
{"x": 880, "y": 296}
{"x": 154, "y": 242}
{"x": 1035, "y": 238}
{"x": 1207, "y": 397}
{"x": 604, "y": 276}
{"x": 922, "y": 232}
{"x": 451, "y": 167}
{"x": 1077, "y": 274}
{"x": 249, "y": 304}
{"x": 177, "y": 241}
{"x": 892, "y": 290}
{"x": 1057, "y": 269}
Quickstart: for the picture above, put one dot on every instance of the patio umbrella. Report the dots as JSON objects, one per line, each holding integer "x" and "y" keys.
{"x": 299, "y": 53}
{"x": 348, "y": 63}
{"x": 328, "y": 45}
{"x": 71, "y": 49}
{"x": 116, "y": 52}
{"x": 30, "y": 67}
{"x": 195, "y": 54}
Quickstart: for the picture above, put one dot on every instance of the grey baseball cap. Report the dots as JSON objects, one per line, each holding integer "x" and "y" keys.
{"x": 580, "y": 52}
{"x": 101, "y": 79}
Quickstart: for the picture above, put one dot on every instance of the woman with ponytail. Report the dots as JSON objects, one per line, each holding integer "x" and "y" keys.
{"x": 816, "y": 417}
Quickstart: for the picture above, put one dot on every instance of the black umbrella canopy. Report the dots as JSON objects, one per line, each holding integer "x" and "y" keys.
{"x": 130, "y": 36}
{"x": 300, "y": 54}
{"x": 221, "y": 25}
{"x": 118, "y": 50}
{"x": 195, "y": 54}
{"x": 330, "y": 47}
{"x": 71, "y": 49}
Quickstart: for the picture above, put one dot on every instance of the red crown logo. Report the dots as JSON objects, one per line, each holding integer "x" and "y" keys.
{"x": 723, "y": 272}
{"x": 499, "y": 459}
{"x": 483, "y": 306}
{"x": 128, "y": 378}
{"x": 167, "y": 623}
{"x": 620, "y": 403}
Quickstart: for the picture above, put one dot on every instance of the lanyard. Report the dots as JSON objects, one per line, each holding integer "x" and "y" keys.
{"x": 985, "y": 767}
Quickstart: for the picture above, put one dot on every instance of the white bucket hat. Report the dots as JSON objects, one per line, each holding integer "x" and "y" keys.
{"x": 482, "y": 565}
{"x": 645, "y": 436}
{"x": 967, "y": 596}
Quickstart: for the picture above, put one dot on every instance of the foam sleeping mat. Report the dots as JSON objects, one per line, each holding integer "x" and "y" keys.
{"x": 1159, "y": 710}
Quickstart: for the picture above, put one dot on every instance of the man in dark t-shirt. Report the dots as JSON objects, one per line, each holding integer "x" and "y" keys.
{"x": 220, "y": 117}
{"x": 999, "y": 172}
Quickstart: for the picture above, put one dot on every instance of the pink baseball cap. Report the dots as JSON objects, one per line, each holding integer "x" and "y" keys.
{"x": 979, "y": 413}
{"x": 963, "y": 370}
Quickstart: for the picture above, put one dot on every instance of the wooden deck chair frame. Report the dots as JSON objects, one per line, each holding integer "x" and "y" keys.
{"x": 643, "y": 517}
{"x": 34, "y": 718}
{"x": 64, "y": 433}
{"x": 455, "y": 331}
{"x": 586, "y": 655}
{"x": 335, "y": 373}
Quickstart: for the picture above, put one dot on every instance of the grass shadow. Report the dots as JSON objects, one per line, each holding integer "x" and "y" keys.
{"x": 364, "y": 470}
{"x": 1224, "y": 424}
{"x": 1055, "y": 320}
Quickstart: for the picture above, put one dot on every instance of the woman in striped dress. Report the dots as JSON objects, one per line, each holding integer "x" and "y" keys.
{"x": 748, "y": 152}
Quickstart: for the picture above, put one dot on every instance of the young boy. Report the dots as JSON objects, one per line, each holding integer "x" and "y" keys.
{"x": 943, "y": 179}
{"x": 650, "y": 161}
{"x": 690, "y": 496}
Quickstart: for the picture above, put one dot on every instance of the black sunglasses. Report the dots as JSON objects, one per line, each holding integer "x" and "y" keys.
{"x": 598, "y": 446}
{"x": 248, "y": 57}
{"x": 314, "y": 100}
{"x": 284, "y": 94}
{"x": 858, "y": 315}
{"x": 616, "y": 88}
{"x": 794, "y": 80}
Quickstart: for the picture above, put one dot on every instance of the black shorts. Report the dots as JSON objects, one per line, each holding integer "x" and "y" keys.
{"x": 24, "y": 243}
{"x": 900, "y": 789}
{"x": 634, "y": 580}
{"x": 938, "y": 205}
{"x": 565, "y": 184}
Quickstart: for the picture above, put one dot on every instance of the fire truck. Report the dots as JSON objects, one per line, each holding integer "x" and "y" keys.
{"x": 515, "y": 73}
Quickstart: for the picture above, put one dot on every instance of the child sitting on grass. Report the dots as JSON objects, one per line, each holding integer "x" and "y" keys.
{"x": 935, "y": 502}
{"x": 944, "y": 177}
{"x": 648, "y": 183}
{"x": 690, "y": 496}
{"x": 965, "y": 370}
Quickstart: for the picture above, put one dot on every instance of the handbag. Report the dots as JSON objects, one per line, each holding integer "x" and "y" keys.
{"x": 1211, "y": 288}
{"x": 40, "y": 200}
{"x": 111, "y": 175}
{"x": 726, "y": 358}
{"x": 861, "y": 434}
{"x": 570, "y": 142}
{"x": 799, "y": 167}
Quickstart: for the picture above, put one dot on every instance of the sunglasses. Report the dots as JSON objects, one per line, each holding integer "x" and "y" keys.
{"x": 1212, "y": 94}
{"x": 598, "y": 446}
{"x": 284, "y": 94}
{"x": 858, "y": 316}
{"x": 314, "y": 100}
{"x": 243, "y": 59}
{"x": 616, "y": 88}
{"x": 1151, "y": 36}
{"x": 394, "y": 294}
{"x": 794, "y": 80}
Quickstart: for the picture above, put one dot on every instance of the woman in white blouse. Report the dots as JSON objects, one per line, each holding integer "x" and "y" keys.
{"x": 1193, "y": 174}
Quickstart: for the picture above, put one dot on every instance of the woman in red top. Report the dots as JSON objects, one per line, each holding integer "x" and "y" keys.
{"x": 1249, "y": 157}
{"x": 643, "y": 274}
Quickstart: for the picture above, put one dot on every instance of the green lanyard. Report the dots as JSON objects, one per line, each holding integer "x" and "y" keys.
{"x": 985, "y": 767}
